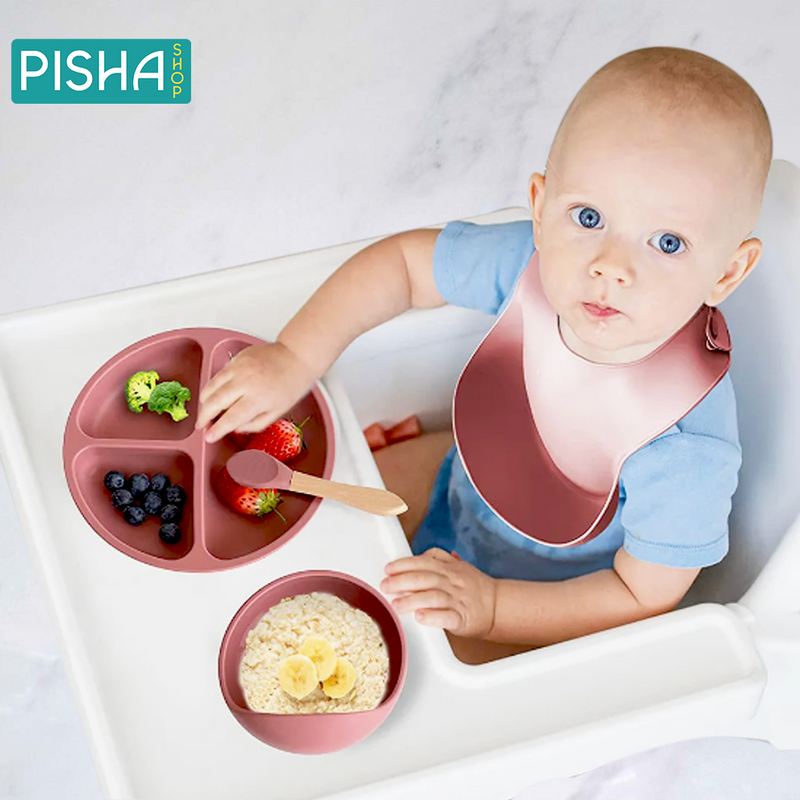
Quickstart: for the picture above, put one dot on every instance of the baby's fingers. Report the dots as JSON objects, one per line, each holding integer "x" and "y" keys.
{"x": 433, "y": 598}
{"x": 433, "y": 608}
{"x": 258, "y": 423}
{"x": 217, "y": 402}
{"x": 215, "y": 383}
{"x": 426, "y": 561}
{"x": 419, "y": 580}
{"x": 239, "y": 415}
{"x": 446, "y": 618}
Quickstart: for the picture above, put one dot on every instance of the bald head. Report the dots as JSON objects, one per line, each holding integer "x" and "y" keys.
{"x": 687, "y": 91}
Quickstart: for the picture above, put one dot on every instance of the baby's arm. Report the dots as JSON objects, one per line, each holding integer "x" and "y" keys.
{"x": 445, "y": 592}
{"x": 263, "y": 381}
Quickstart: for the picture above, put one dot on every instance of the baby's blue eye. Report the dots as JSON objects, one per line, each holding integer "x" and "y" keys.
{"x": 586, "y": 217}
{"x": 668, "y": 243}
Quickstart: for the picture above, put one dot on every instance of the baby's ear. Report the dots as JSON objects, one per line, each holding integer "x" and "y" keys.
{"x": 536, "y": 196}
{"x": 744, "y": 259}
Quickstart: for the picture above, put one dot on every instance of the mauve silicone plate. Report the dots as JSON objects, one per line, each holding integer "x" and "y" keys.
{"x": 103, "y": 434}
{"x": 311, "y": 733}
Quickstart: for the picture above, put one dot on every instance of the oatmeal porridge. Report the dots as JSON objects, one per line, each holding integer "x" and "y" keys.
{"x": 289, "y": 635}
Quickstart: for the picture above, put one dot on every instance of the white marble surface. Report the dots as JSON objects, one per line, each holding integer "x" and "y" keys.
{"x": 313, "y": 124}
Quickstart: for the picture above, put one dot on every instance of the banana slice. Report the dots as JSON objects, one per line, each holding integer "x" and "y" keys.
{"x": 322, "y": 653}
{"x": 297, "y": 676}
{"x": 341, "y": 680}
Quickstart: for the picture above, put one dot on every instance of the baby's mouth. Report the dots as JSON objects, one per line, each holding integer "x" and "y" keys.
{"x": 599, "y": 311}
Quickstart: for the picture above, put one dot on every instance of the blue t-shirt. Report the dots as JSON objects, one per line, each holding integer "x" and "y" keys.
{"x": 674, "y": 493}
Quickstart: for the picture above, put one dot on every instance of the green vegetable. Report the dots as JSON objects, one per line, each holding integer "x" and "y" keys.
{"x": 138, "y": 389}
{"x": 170, "y": 396}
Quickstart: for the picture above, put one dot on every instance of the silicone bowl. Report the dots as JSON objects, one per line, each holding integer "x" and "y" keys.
{"x": 311, "y": 733}
{"x": 102, "y": 434}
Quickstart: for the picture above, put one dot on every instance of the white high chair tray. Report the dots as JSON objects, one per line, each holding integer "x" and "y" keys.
{"x": 140, "y": 644}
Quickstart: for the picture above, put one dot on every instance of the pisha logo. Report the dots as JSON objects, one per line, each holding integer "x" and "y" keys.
{"x": 101, "y": 71}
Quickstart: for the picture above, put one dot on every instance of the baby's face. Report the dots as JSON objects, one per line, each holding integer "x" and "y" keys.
{"x": 637, "y": 225}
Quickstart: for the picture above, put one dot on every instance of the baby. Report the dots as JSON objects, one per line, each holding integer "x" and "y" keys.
{"x": 653, "y": 184}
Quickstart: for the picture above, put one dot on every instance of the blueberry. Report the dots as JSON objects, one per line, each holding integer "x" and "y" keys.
{"x": 159, "y": 482}
{"x": 171, "y": 513}
{"x": 134, "y": 515}
{"x": 114, "y": 480}
{"x": 138, "y": 484}
{"x": 121, "y": 499}
{"x": 152, "y": 503}
{"x": 170, "y": 533}
{"x": 175, "y": 495}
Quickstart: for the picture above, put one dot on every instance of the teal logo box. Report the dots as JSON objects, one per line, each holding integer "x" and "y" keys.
{"x": 101, "y": 71}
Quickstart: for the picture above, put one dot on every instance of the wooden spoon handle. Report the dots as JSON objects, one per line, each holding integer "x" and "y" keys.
{"x": 376, "y": 501}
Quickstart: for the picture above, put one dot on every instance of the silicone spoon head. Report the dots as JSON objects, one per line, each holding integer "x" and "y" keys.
{"x": 259, "y": 470}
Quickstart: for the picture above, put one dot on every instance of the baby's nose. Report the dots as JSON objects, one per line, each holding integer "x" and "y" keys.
{"x": 614, "y": 266}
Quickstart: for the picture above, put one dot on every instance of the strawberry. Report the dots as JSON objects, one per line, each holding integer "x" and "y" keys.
{"x": 253, "y": 502}
{"x": 282, "y": 440}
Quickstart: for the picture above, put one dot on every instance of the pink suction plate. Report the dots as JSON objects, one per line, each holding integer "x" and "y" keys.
{"x": 102, "y": 434}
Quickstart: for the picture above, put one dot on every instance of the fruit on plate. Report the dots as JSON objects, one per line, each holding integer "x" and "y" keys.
{"x": 121, "y": 499}
{"x": 253, "y": 502}
{"x": 282, "y": 440}
{"x": 159, "y": 482}
{"x": 134, "y": 515}
{"x": 141, "y": 497}
{"x": 114, "y": 480}
{"x": 169, "y": 533}
{"x": 171, "y": 513}
{"x": 297, "y": 676}
{"x": 341, "y": 680}
{"x": 322, "y": 653}
{"x": 138, "y": 484}
{"x": 175, "y": 495}
{"x": 152, "y": 502}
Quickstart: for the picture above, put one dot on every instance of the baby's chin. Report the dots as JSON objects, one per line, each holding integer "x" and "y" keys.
{"x": 608, "y": 340}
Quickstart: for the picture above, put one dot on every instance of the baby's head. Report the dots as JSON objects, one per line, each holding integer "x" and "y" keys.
{"x": 653, "y": 185}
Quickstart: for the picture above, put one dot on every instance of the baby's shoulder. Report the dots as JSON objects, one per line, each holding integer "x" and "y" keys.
{"x": 715, "y": 414}
{"x": 477, "y": 266}
{"x": 701, "y": 449}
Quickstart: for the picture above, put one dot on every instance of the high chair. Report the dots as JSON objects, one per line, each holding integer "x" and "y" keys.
{"x": 140, "y": 644}
{"x": 410, "y": 366}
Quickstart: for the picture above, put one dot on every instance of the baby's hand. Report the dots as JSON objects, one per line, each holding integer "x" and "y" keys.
{"x": 443, "y": 591}
{"x": 258, "y": 385}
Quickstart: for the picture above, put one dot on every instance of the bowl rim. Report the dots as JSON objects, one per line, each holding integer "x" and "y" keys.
{"x": 310, "y": 573}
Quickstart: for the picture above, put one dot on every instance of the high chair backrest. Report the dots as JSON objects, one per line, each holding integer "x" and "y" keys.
{"x": 765, "y": 329}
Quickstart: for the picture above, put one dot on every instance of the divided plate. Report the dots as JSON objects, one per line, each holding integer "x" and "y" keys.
{"x": 102, "y": 434}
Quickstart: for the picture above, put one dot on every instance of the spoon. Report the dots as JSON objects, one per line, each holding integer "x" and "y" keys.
{"x": 259, "y": 470}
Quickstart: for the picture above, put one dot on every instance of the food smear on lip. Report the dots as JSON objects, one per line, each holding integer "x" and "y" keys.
{"x": 306, "y": 636}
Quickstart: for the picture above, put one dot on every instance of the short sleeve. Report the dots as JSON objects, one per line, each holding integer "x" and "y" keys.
{"x": 477, "y": 266}
{"x": 675, "y": 493}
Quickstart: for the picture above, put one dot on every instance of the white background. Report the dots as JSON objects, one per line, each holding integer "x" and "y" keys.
{"x": 313, "y": 124}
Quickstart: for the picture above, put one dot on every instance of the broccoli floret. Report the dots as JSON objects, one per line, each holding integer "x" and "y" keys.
{"x": 170, "y": 396}
{"x": 138, "y": 389}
